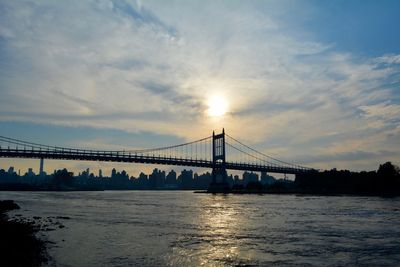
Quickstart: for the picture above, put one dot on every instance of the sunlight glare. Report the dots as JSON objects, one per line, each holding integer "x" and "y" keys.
{"x": 217, "y": 106}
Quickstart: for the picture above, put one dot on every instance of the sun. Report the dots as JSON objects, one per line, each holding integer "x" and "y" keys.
{"x": 217, "y": 106}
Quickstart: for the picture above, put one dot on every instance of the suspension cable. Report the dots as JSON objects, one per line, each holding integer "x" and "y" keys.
{"x": 248, "y": 154}
{"x": 265, "y": 155}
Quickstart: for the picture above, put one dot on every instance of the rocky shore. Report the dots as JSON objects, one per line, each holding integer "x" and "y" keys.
{"x": 19, "y": 244}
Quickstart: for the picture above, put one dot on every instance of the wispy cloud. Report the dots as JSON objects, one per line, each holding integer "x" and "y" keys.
{"x": 389, "y": 59}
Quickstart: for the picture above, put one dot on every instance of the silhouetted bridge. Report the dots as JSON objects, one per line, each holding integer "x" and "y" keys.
{"x": 219, "y": 152}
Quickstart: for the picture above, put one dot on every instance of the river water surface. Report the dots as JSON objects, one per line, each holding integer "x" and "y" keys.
{"x": 180, "y": 228}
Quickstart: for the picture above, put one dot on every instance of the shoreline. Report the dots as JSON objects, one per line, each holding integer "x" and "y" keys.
{"x": 19, "y": 243}
{"x": 333, "y": 194}
{"x": 305, "y": 193}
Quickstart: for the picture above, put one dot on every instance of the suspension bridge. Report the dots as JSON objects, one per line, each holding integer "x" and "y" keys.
{"x": 219, "y": 152}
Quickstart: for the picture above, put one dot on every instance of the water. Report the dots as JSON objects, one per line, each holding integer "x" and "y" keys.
{"x": 180, "y": 228}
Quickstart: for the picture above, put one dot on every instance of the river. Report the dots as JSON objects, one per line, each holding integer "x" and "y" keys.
{"x": 180, "y": 228}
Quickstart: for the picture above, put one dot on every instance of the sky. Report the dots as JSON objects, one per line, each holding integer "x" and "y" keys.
{"x": 311, "y": 82}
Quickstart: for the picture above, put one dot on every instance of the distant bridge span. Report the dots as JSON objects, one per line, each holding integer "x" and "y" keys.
{"x": 218, "y": 152}
{"x": 119, "y": 157}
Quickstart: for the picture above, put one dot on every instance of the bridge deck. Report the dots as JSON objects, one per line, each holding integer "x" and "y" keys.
{"x": 110, "y": 156}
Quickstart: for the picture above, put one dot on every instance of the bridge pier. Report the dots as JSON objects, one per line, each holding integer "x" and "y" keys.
{"x": 219, "y": 182}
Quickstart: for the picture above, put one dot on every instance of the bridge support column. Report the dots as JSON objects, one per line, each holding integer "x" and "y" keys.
{"x": 219, "y": 182}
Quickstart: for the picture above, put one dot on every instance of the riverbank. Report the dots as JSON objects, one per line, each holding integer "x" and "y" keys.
{"x": 19, "y": 244}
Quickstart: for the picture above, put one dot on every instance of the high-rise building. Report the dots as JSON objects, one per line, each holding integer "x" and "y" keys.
{"x": 113, "y": 173}
{"x": 236, "y": 179}
{"x": 171, "y": 177}
{"x": 30, "y": 172}
{"x": 41, "y": 172}
{"x": 157, "y": 179}
{"x": 267, "y": 179}
{"x": 186, "y": 179}
{"x": 11, "y": 170}
{"x": 249, "y": 177}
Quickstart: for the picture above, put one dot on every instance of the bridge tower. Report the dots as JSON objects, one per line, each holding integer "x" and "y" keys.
{"x": 219, "y": 182}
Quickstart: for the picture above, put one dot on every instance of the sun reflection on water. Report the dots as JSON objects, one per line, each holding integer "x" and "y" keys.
{"x": 217, "y": 242}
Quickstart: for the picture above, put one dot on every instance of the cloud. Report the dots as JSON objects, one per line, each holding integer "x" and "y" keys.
{"x": 389, "y": 59}
{"x": 349, "y": 156}
{"x": 152, "y": 67}
{"x": 389, "y": 113}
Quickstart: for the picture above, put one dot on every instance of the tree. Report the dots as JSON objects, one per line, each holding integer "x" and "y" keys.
{"x": 387, "y": 170}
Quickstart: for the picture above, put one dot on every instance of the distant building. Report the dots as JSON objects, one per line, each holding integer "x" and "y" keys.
{"x": 236, "y": 179}
{"x": 142, "y": 181}
{"x": 113, "y": 172}
{"x": 157, "y": 179}
{"x": 249, "y": 177}
{"x": 41, "y": 172}
{"x": 30, "y": 173}
{"x": 186, "y": 179}
{"x": 11, "y": 170}
{"x": 202, "y": 181}
{"x": 142, "y": 176}
{"x": 170, "y": 179}
{"x": 267, "y": 179}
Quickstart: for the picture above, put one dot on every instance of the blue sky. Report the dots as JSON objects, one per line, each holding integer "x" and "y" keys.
{"x": 361, "y": 27}
{"x": 312, "y": 82}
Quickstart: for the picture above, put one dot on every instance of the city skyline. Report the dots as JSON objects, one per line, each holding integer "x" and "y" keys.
{"x": 134, "y": 74}
{"x": 156, "y": 180}
{"x": 135, "y": 174}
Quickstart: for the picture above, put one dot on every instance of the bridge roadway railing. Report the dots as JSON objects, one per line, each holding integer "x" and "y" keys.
{"x": 111, "y": 156}
{"x": 266, "y": 168}
{"x": 121, "y": 156}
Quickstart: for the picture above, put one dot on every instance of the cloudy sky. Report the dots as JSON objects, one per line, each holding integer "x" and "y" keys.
{"x": 311, "y": 82}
